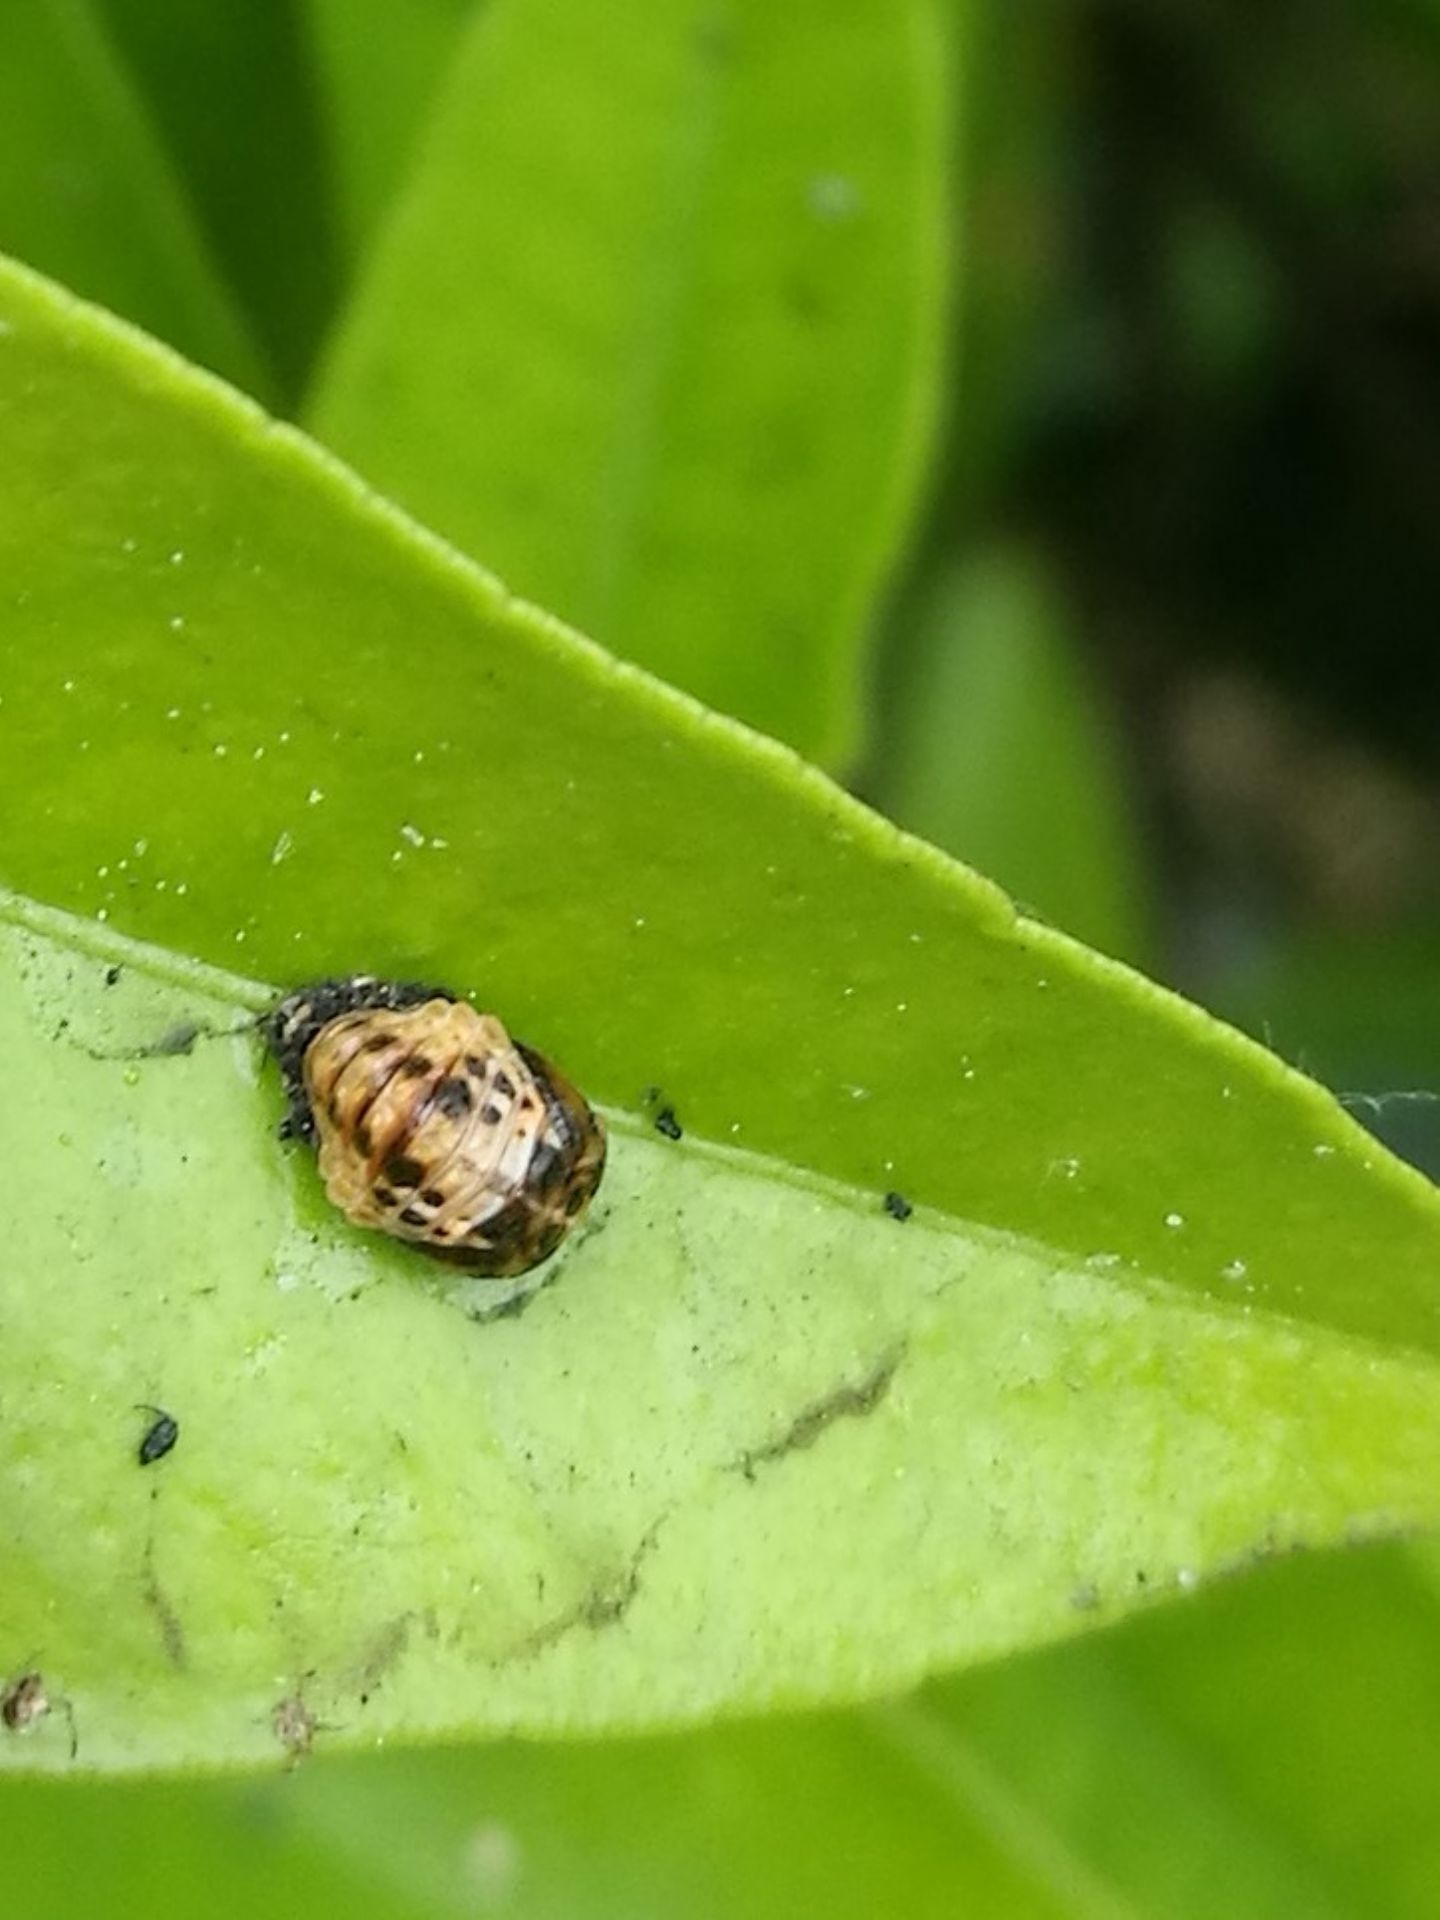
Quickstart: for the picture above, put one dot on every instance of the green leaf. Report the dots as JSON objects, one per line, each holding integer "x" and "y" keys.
{"x": 377, "y": 69}
{"x": 602, "y": 338}
{"x": 1213, "y": 1758}
{"x": 230, "y": 88}
{"x": 86, "y": 192}
{"x": 1220, "y": 1757}
{"x": 996, "y": 749}
{"x": 782, "y": 1819}
{"x": 1161, "y": 1309}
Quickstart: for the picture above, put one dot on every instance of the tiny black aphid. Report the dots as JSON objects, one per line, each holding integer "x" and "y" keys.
{"x": 160, "y": 1436}
{"x": 897, "y": 1206}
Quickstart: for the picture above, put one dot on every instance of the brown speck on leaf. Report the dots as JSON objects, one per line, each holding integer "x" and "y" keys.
{"x": 850, "y": 1400}
{"x": 25, "y": 1702}
{"x": 172, "y": 1632}
{"x": 294, "y": 1725}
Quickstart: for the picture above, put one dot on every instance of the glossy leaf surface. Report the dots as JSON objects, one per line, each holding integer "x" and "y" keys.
{"x": 87, "y": 191}
{"x": 602, "y": 336}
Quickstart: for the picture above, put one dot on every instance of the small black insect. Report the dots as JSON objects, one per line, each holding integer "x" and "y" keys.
{"x": 897, "y": 1206}
{"x": 112, "y": 975}
{"x": 160, "y": 1436}
{"x": 662, "y": 1114}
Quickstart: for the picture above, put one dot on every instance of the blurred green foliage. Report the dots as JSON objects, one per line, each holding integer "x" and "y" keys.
{"x": 1195, "y": 382}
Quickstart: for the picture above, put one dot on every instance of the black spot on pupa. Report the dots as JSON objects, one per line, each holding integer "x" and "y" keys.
{"x": 504, "y": 1085}
{"x": 490, "y": 1114}
{"x": 402, "y": 1171}
{"x": 378, "y": 1042}
{"x": 413, "y": 1217}
{"x": 453, "y": 1097}
{"x": 433, "y": 1197}
{"x": 383, "y": 1197}
{"x": 416, "y": 1067}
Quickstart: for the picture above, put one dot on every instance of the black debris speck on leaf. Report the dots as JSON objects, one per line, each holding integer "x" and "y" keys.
{"x": 897, "y": 1206}
{"x": 160, "y": 1436}
{"x": 178, "y": 1039}
{"x": 112, "y": 974}
{"x": 666, "y": 1123}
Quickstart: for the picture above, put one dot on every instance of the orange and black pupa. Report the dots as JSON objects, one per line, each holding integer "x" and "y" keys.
{"x": 433, "y": 1125}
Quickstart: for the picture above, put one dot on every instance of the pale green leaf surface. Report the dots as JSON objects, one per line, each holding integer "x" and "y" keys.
{"x": 996, "y": 748}
{"x": 653, "y": 330}
{"x": 760, "y": 1443}
{"x": 86, "y": 192}
{"x": 526, "y": 1524}
{"x": 377, "y": 69}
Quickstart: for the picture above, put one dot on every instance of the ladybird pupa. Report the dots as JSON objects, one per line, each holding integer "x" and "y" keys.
{"x": 433, "y": 1125}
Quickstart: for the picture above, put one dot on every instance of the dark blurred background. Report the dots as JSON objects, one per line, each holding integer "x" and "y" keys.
{"x": 1198, "y": 432}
